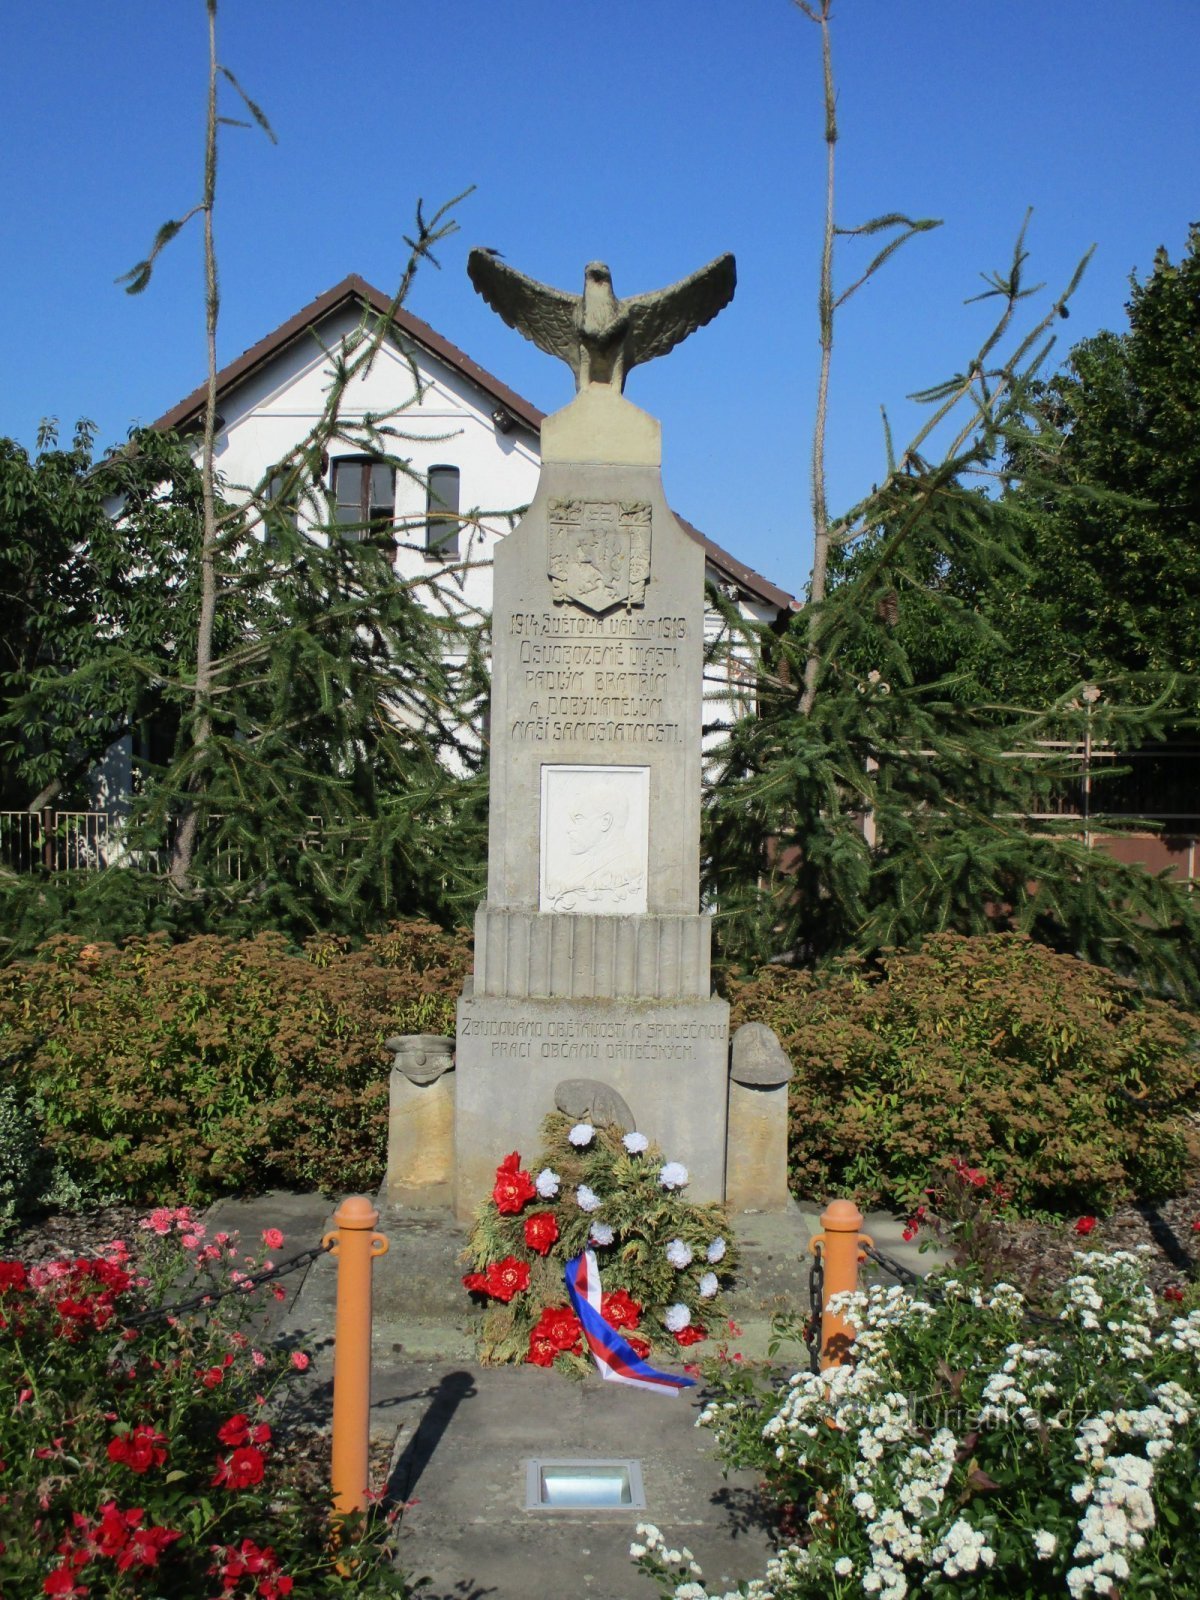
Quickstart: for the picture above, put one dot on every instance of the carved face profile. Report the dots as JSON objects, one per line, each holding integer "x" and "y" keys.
{"x": 595, "y": 839}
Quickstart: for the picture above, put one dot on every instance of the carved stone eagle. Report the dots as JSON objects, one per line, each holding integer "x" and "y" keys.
{"x": 598, "y": 336}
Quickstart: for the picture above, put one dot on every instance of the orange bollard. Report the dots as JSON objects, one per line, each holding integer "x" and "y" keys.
{"x": 840, "y": 1249}
{"x": 356, "y": 1245}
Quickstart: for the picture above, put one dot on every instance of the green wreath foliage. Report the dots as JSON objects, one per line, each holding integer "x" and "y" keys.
{"x": 645, "y": 1217}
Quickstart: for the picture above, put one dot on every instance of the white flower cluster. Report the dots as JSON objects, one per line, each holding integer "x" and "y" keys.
{"x": 587, "y": 1199}
{"x": 679, "y": 1254}
{"x": 1116, "y": 1520}
{"x": 707, "y": 1287}
{"x": 715, "y": 1251}
{"x": 581, "y": 1135}
{"x": 601, "y": 1234}
{"x": 674, "y": 1175}
{"x": 635, "y": 1143}
{"x": 546, "y": 1183}
{"x": 1183, "y": 1334}
{"x": 962, "y": 1548}
{"x": 677, "y": 1317}
{"x": 651, "y": 1542}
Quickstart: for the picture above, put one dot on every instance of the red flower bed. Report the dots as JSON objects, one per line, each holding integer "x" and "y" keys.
{"x": 116, "y": 1415}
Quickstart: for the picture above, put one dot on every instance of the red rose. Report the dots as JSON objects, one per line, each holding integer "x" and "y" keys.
{"x": 541, "y": 1230}
{"x": 619, "y": 1311}
{"x": 139, "y": 1450}
{"x": 145, "y": 1546}
{"x": 639, "y": 1346}
{"x": 476, "y": 1283}
{"x": 557, "y": 1331}
{"x": 242, "y": 1470}
{"x": 513, "y": 1187}
{"x": 1085, "y": 1225}
{"x": 212, "y": 1377}
{"x": 1173, "y": 1292}
{"x": 692, "y": 1334}
{"x": 236, "y": 1431}
{"x": 507, "y": 1278}
{"x": 13, "y": 1275}
{"x": 542, "y": 1349}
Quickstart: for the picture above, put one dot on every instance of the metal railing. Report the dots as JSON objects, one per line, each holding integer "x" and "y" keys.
{"x": 91, "y": 841}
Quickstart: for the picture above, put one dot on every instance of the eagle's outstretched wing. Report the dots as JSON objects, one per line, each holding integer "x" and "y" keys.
{"x": 658, "y": 321}
{"x": 545, "y": 315}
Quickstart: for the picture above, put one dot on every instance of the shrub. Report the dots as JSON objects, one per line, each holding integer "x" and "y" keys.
{"x": 967, "y": 1450}
{"x": 186, "y": 1071}
{"x": 141, "y": 1456}
{"x": 1072, "y": 1086}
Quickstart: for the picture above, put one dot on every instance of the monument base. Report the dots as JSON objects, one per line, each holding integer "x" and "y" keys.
{"x": 669, "y": 1061}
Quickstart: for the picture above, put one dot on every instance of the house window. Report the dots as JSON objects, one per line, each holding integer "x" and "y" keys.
{"x": 281, "y": 507}
{"x": 441, "y": 513}
{"x": 364, "y": 496}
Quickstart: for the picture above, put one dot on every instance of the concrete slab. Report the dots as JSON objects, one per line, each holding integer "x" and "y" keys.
{"x": 466, "y": 1434}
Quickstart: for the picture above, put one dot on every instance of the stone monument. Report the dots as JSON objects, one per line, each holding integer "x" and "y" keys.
{"x": 591, "y": 953}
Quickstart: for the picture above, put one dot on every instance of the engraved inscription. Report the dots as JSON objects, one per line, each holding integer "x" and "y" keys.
{"x": 610, "y": 691}
{"x": 599, "y": 554}
{"x": 605, "y": 1039}
{"x": 564, "y": 624}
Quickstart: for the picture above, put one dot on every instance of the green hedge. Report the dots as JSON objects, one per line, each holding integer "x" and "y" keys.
{"x": 1062, "y": 1081}
{"x": 170, "y": 1072}
{"x": 178, "y": 1072}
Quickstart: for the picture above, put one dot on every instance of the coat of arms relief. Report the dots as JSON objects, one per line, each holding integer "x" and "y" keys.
{"x": 599, "y": 552}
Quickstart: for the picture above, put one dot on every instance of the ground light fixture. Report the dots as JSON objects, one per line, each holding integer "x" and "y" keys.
{"x": 583, "y": 1485}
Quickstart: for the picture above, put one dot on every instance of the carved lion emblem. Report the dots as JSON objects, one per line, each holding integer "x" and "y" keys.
{"x": 599, "y": 552}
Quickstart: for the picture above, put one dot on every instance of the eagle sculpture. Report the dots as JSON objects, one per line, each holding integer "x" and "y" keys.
{"x": 598, "y": 336}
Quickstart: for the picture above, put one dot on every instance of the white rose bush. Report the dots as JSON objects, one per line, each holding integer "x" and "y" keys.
{"x": 974, "y": 1448}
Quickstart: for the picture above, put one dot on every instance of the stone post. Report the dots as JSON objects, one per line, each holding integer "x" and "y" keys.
{"x": 420, "y": 1153}
{"x": 756, "y": 1155}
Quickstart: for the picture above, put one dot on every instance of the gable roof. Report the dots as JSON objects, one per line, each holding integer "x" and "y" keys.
{"x": 352, "y": 293}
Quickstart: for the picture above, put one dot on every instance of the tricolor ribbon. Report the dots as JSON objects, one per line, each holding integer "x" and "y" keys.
{"x": 617, "y": 1360}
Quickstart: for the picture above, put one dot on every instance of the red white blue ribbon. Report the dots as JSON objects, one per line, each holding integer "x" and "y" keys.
{"x": 616, "y": 1359}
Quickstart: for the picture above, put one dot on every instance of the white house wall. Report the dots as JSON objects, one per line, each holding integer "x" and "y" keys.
{"x": 450, "y": 425}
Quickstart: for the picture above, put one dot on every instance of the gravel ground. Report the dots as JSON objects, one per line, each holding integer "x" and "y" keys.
{"x": 1043, "y": 1255}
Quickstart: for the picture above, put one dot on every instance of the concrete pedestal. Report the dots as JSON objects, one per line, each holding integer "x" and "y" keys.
{"x": 669, "y": 1061}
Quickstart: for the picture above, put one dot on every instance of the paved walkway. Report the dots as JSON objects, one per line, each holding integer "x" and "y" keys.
{"x": 462, "y": 1435}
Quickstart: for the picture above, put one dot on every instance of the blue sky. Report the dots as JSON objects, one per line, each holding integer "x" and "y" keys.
{"x": 653, "y": 134}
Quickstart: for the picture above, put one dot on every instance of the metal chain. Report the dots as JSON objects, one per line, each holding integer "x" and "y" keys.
{"x": 202, "y": 1302}
{"x": 816, "y": 1301}
{"x": 903, "y": 1274}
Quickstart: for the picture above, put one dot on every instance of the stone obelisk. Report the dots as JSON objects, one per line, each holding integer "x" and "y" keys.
{"x": 591, "y": 953}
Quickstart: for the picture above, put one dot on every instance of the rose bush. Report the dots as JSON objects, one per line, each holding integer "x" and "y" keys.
{"x": 972, "y": 1449}
{"x": 662, "y": 1259}
{"x": 139, "y": 1452}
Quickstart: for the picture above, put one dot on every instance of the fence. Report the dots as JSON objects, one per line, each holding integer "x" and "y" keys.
{"x": 1160, "y": 787}
{"x": 90, "y": 841}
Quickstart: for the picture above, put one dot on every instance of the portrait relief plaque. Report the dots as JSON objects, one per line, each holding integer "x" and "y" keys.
{"x": 599, "y": 553}
{"x": 595, "y": 839}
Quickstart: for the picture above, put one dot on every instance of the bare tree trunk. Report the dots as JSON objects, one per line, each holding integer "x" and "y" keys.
{"x": 184, "y": 846}
{"x": 825, "y": 303}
